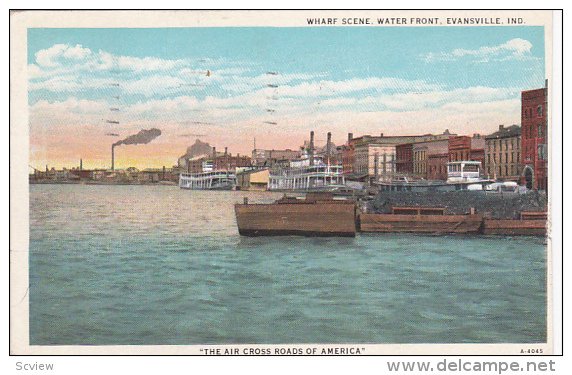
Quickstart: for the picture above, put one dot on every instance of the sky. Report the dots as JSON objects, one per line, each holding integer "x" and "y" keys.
{"x": 90, "y": 88}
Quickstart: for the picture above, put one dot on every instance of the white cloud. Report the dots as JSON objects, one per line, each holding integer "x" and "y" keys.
{"x": 514, "y": 49}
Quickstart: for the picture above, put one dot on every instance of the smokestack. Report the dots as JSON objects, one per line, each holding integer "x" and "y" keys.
{"x": 214, "y": 152}
{"x": 112, "y": 157}
{"x": 46, "y": 167}
{"x": 312, "y": 147}
{"x": 225, "y": 151}
{"x": 350, "y": 136}
{"x": 80, "y": 164}
{"x": 329, "y": 147}
{"x": 163, "y": 173}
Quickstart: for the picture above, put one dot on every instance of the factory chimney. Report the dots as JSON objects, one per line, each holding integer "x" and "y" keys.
{"x": 329, "y": 147}
{"x": 312, "y": 148}
{"x": 113, "y": 157}
{"x": 350, "y": 137}
{"x": 225, "y": 151}
{"x": 214, "y": 152}
{"x": 163, "y": 173}
{"x": 80, "y": 164}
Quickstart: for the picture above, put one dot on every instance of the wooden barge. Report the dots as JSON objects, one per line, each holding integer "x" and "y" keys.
{"x": 317, "y": 215}
{"x": 322, "y": 215}
{"x": 530, "y": 224}
{"x": 420, "y": 220}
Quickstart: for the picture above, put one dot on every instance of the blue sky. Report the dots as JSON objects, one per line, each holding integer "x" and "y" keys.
{"x": 395, "y": 80}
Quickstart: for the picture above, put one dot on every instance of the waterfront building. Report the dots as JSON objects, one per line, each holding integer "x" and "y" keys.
{"x": 376, "y": 160}
{"x": 503, "y": 153}
{"x": 466, "y": 148}
{"x": 404, "y": 156}
{"x": 254, "y": 180}
{"x": 534, "y": 121}
{"x": 269, "y": 158}
{"x": 423, "y": 151}
{"x": 348, "y": 155}
{"x": 218, "y": 161}
{"x": 437, "y": 166}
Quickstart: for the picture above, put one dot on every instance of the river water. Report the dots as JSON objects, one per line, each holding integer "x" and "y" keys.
{"x": 158, "y": 265}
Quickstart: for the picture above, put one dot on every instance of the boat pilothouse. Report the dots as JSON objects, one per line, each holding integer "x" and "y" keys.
{"x": 463, "y": 171}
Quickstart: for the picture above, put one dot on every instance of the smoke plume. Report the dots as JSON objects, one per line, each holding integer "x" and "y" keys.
{"x": 143, "y": 137}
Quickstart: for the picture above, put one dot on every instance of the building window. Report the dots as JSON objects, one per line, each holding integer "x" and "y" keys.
{"x": 541, "y": 152}
{"x": 539, "y": 110}
{"x": 506, "y": 157}
{"x": 540, "y": 130}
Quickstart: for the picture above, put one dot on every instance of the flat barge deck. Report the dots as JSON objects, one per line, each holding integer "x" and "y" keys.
{"x": 318, "y": 215}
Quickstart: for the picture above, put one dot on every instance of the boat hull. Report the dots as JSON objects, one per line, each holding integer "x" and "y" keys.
{"x": 438, "y": 224}
{"x": 515, "y": 227}
{"x": 318, "y": 219}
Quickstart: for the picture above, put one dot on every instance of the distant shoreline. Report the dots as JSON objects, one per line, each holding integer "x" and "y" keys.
{"x": 48, "y": 182}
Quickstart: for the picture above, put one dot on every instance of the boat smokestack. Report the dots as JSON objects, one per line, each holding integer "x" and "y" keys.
{"x": 112, "y": 157}
{"x": 214, "y": 152}
{"x": 312, "y": 147}
{"x": 329, "y": 147}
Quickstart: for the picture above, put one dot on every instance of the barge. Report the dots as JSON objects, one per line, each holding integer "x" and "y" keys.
{"x": 529, "y": 224}
{"x": 421, "y": 220}
{"x": 319, "y": 214}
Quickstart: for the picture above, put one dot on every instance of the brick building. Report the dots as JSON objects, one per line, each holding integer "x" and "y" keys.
{"x": 269, "y": 158}
{"x": 404, "y": 155}
{"x": 377, "y": 155}
{"x": 503, "y": 154}
{"x": 437, "y": 166}
{"x": 218, "y": 162}
{"x": 422, "y": 151}
{"x": 534, "y": 121}
{"x": 466, "y": 148}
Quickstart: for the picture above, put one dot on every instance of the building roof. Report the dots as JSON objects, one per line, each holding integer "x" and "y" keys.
{"x": 511, "y": 131}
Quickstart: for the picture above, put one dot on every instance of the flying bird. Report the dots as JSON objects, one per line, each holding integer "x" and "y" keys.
{"x": 112, "y": 122}
{"x": 272, "y": 73}
{"x": 272, "y": 85}
{"x": 208, "y": 73}
{"x": 112, "y": 134}
{"x": 271, "y": 122}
